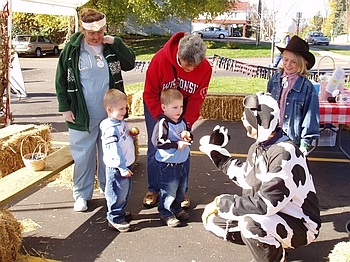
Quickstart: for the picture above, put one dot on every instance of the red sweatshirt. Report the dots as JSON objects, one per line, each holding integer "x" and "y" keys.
{"x": 160, "y": 75}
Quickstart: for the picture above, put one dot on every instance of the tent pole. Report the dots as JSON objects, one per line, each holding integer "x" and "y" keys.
{"x": 76, "y": 21}
{"x": 8, "y": 56}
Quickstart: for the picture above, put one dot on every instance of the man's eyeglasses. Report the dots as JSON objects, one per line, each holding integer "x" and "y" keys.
{"x": 93, "y": 33}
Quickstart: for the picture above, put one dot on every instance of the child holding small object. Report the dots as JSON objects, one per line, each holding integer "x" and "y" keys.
{"x": 118, "y": 155}
{"x": 172, "y": 138}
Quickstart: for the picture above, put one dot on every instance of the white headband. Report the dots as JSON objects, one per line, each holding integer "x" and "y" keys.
{"x": 96, "y": 25}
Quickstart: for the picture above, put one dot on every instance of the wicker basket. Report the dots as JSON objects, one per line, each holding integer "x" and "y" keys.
{"x": 36, "y": 160}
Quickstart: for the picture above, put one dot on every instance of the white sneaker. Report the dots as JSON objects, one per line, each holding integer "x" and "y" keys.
{"x": 80, "y": 205}
{"x": 121, "y": 227}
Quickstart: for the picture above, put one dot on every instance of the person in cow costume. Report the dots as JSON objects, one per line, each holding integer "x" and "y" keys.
{"x": 278, "y": 208}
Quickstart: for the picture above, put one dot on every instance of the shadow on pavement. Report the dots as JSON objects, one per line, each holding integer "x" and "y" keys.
{"x": 69, "y": 236}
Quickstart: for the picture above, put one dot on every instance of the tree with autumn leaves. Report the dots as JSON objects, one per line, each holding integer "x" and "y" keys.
{"x": 337, "y": 20}
{"x": 142, "y": 12}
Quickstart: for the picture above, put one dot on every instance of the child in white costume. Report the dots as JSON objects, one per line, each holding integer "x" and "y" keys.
{"x": 278, "y": 209}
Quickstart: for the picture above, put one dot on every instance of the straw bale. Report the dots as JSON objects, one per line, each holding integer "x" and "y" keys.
{"x": 228, "y": 107}
{"x": 129, "y": 96}
{"x": 219, "y": 106}
{"x": 137, "y": 104}
{"x": 11, "y": 236}
{"x": 10, "y": 155}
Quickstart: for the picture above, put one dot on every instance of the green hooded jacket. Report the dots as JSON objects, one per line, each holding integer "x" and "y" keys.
{"x": 68, "y": 88}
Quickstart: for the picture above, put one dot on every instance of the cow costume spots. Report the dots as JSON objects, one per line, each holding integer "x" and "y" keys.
{"x": 278, "y": 208}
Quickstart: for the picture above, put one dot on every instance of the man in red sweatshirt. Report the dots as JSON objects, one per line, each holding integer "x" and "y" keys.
{"x": 180, "y": 64}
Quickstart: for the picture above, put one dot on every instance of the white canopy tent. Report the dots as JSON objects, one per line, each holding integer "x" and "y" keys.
{"x": 50, "y": 7}
{"x": 54, "y": 7}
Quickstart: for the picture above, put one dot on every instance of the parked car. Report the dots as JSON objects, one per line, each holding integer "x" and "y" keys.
{"x": 317, "y": 38}
{"x": 34, "y": 45}
{"x": 236, "y": 33}
{"x": 212, "y": 32}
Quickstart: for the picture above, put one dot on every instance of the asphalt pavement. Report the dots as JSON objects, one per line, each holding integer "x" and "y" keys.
{"x": 65, "y": 235}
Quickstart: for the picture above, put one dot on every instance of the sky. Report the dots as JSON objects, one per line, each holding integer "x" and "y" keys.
{"x": 286, "y": 11}
{"x": 289, "y": 8}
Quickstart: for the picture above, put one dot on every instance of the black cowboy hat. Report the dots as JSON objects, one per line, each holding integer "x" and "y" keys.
{"x": 298, "y": 45}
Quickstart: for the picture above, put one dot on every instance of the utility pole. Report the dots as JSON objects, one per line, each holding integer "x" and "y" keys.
{"x": 299, "y": 15}
{"x": 259, "y": 25}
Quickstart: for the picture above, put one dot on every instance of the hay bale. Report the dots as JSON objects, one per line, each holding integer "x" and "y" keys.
{"x": 11, "y": 237}
{"x": 227, "y": 107}
{"x": 137, "y": 104}
{"x": 129, "y": 96}
{"x": 218, "y": 106}
{"x": 340, "y": 252}
{"x": 10, "y": 156}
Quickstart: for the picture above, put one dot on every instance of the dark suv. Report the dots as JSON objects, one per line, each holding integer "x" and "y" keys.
{"x": 34, "y": 45}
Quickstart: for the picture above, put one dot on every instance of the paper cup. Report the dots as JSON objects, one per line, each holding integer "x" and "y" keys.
{"x": 342, "y": 98}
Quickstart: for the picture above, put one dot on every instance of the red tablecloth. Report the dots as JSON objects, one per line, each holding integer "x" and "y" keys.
{"x": 335, "y": 113}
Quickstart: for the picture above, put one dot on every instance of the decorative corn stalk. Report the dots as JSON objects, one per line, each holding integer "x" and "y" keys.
{"x": 4, "y": 65}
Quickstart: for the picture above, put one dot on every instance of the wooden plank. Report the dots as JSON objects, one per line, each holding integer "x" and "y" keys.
{"x": 22, "y": 180}
{"x": 8, "y": 131}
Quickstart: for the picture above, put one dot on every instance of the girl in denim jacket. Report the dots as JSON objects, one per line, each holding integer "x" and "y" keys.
{"x": 296, "y": 95}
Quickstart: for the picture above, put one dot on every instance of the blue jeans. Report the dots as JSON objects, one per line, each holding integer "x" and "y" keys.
{"x": 172, "y": 181}
{"x": 117, "y": 193}
{"x": 278, "y": 59}
{"x": 151, "y": 165}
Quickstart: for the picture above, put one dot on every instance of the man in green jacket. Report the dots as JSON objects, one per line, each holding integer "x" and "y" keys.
{"x": 89, "y": 65}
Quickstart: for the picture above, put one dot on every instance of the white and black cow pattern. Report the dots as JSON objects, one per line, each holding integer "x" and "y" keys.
{"x": 278, "y": 205}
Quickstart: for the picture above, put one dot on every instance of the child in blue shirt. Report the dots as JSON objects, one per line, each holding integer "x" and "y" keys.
{"x": 118, "y": 155}
{"x": 171, "y": 137}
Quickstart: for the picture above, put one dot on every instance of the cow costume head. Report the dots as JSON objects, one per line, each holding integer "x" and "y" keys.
{"x": 261, "y": 116}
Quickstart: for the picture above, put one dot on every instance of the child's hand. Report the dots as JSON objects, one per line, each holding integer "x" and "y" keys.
{"x": 127, "y": 173}
{"x": 182, "y": 144}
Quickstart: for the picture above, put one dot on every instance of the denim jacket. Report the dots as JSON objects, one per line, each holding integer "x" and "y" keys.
{"x": 302, "y": 113}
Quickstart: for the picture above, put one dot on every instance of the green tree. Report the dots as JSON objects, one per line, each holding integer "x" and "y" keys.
{"x": 53, "y": 26}
{"x": 146, "y": 12}
{"x": 316, "y": 22}
{"x": 337, "y": 22}
{"x": 142, "y": 12}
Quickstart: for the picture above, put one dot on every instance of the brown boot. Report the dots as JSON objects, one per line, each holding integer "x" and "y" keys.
{"x": 150, "y": 199}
